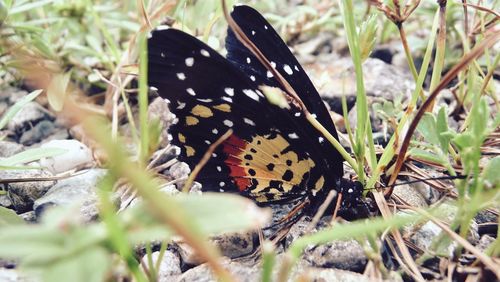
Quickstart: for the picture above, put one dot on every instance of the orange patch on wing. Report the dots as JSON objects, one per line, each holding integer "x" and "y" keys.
{"x": 233, "y": 146}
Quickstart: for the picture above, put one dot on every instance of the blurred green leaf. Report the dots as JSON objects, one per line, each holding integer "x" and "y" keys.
{"x": 57, "y": 246}
{"x": 86, "y": 265}
{"x": 42, "y": 46}
{"x": 3, "y": 12}
{"x": 31, "y": 155}
{"x": 427, "y": 127}
{"x": 491, "y": 172}
{"x": 9, "y": 217}
{"x": 208, "y": 211}
{"x": 57, "y": 90}
{"x": 29, "y": 6}
{"x": 13, "y": 110}
{"x": 442, "y": 129}
{"x": 426, "y": 155}
{"x": 480, "y": 115}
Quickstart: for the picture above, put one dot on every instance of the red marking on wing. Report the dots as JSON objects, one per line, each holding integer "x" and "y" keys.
{"x": 233, "y": 147}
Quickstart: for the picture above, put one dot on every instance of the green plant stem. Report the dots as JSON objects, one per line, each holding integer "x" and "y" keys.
{"x": 116, "y": 231}
{"x": 363, "y": 119}
{"x": 143, "y": 97}
{"x": 440, "y": 49}
{"x": 391, "y": 147}
{"x": 352, "y": 162}
{"x": 406, "y": 48}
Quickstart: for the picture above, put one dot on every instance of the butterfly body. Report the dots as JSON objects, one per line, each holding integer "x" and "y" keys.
{"x": 274, "y": 154}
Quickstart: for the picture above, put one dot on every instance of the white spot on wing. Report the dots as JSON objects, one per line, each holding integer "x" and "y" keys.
{"x": 229, "y": 91}
{"x": 162, "y": 27}
{"x": 273, "y": 64}
{"x": 162, "y": 55}
{"x": 249, "y": 121}
{"x": 314, "y": 115}
{"x": 215, "y": 131}
{"x": 321, "y": 139}
{"x": 181, "y": 105}
{"x": 219, "y": 169}
{"x": 265, "y": 26}
{"x": 191, "y": 91}
{"x": 297, "y": 114}
{"x": 208, "y": 142}
{"x": 250, "y": 93}
{"x": 288, "y": 69}
{"x": 227, "y": 99}
{"x": 204, "y": 53}
{"x": 248, "y": 60}
{"x": 189, "y": 61}
{"x": 293, "y": 135}
{"x": 253, "y": 32}
{"x": 214, "y": 155}
{"x": 181, "y": 76}
{"x": 205, "y": 100}
{"x": 269, "y": 74}
{"x": 252, "y": 78}
{"x": 228, "y": 123}
{"x": 222, "y": 184}
{"x": 296, "y": 68}
{"x": 152, "y": 88}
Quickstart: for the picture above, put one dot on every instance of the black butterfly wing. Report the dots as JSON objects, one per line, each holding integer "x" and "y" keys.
{"x": 267, "y": 40}
{"x": 269, "y": 157}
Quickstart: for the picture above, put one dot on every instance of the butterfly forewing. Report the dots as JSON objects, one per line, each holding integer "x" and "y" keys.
{"x": 269, "y": 157}
{"x": 267, "y": 40}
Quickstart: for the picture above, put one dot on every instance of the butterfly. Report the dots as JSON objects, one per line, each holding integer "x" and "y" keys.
{"x": 274, "y": 154}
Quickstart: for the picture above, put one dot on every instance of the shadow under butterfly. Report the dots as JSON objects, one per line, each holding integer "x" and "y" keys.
{"x": 274, "y": 155}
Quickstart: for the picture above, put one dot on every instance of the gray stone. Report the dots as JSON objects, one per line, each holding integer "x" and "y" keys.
{"x": 486, "y": 216}
{"x": 231, "y": 245}
{"x": 298, "y": 230}
{"x": 8, "y": 149}
{"x": 179, "y": 170}
{"x": 5, "y": 201}
{"x": 241, "y": 271}
{"x": 381, "y": 80}
{"x": 29, "y": 216}
{"x": 29, "y": 115}
{"x": 341, "y": 254}
{"x": 77, "y": 189}
{"x": 347, "y": 255}
{"x": 77, "y": 155}
{"x": 158, "y": 109}
{"x": 23, "y": 194}
{"x": 234, "y": 245}
{"x": 328, "y": 275}
{"x": 485, "y": 242}
{"x": 37, "y": 133}
{"x": 9, "y": 275}
{"x": 170, "y": 266}
{"x": 410, "y": 195}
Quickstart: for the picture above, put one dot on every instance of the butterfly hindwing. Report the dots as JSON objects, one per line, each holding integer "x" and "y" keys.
{"x": 269, "y": 157}
{"x": 267, "y": 40}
